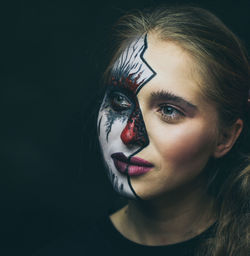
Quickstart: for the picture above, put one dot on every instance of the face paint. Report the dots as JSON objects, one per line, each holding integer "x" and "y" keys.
{"x": 121, "y": 128}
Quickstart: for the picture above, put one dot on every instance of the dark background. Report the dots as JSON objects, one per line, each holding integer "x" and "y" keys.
{"x": 52, "y": 56}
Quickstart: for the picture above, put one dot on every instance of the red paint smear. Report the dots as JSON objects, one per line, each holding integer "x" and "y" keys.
{"x": 129, "y": 133}
{"x": 128, "y": 82}
{"x": 134, "y": 131}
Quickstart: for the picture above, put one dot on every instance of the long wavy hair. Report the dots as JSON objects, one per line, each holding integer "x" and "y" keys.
{"x": 223, "y": 63}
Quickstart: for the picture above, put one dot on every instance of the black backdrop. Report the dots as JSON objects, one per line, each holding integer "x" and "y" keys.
{"x": 52, "y": 57}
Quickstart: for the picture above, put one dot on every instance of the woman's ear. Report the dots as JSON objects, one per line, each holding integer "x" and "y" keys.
{"x": 227, "y": 138}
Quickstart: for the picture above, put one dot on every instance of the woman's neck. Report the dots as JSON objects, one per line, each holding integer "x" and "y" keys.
{"x": 167, "y": 220}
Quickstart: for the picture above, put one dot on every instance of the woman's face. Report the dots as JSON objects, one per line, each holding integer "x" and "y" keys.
{"x": 155, "y": 130}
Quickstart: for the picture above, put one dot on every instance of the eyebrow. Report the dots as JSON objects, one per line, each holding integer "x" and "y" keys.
{"x": 169, "y": 96}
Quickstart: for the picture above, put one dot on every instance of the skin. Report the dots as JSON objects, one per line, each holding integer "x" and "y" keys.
{"x": 174, "y": 205}
{"x": 179, "y": 147}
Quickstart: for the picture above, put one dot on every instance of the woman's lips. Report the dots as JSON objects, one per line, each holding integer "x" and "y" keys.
{"x": 135, "y": 165}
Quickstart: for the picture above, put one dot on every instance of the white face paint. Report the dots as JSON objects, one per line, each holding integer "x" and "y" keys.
{"x": 121, "y": 128}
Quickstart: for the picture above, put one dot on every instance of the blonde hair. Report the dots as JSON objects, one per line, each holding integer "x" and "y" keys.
{"x": 224, "y": 67}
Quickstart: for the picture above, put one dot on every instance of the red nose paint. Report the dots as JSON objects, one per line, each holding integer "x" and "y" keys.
{"x": 134, "y": 132}
{"x": 129, "y": 133}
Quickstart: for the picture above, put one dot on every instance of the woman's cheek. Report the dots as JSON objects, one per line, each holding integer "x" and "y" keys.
{"x": 183, "y": 142}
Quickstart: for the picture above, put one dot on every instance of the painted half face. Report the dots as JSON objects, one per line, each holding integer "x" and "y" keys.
{"x": 156, "y": 131}
{"x": 121, "y": 128}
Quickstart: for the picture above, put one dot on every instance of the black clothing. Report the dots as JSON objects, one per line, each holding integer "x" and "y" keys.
{"x": 104, "y": 239}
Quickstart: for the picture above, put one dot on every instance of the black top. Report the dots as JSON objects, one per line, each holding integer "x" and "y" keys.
{"x": 103, "y": 239}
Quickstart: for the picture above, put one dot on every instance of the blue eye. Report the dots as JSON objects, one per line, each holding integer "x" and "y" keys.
{"x": 167, "y": 110}
{"x": 119, "y": 102}
{"x": 169, "y": 113}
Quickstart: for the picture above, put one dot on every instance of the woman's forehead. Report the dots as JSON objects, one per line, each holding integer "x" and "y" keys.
{"x": 156, "y": 65}
{"x": 174, "y": 67}
{"x": 131, "y": 70}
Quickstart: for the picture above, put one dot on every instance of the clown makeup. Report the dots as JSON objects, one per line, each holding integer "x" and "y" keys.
{"x": 156, "y": 130}
{"x": 121, "y": 128}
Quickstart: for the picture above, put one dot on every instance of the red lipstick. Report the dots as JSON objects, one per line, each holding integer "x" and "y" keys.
{"x": 135, "y": 165}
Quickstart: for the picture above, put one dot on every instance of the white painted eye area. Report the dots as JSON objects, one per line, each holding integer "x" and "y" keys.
{"x": 119, "y": 102}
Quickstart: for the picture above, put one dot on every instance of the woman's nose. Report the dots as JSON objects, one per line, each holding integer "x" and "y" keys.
{"x": 134, "y": 132}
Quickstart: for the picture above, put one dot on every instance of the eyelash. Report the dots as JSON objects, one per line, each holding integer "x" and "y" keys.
{"x": 170, "y": 117}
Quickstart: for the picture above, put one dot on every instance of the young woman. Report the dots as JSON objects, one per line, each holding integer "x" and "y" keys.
{"x": 174, "y": 132}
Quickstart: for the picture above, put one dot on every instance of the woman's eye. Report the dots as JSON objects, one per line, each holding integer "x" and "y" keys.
{"x": 119, "y": 102}
{"x": 170, "y": 114}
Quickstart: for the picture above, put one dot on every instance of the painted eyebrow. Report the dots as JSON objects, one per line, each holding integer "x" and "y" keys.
{"x": 169, "y": 96}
